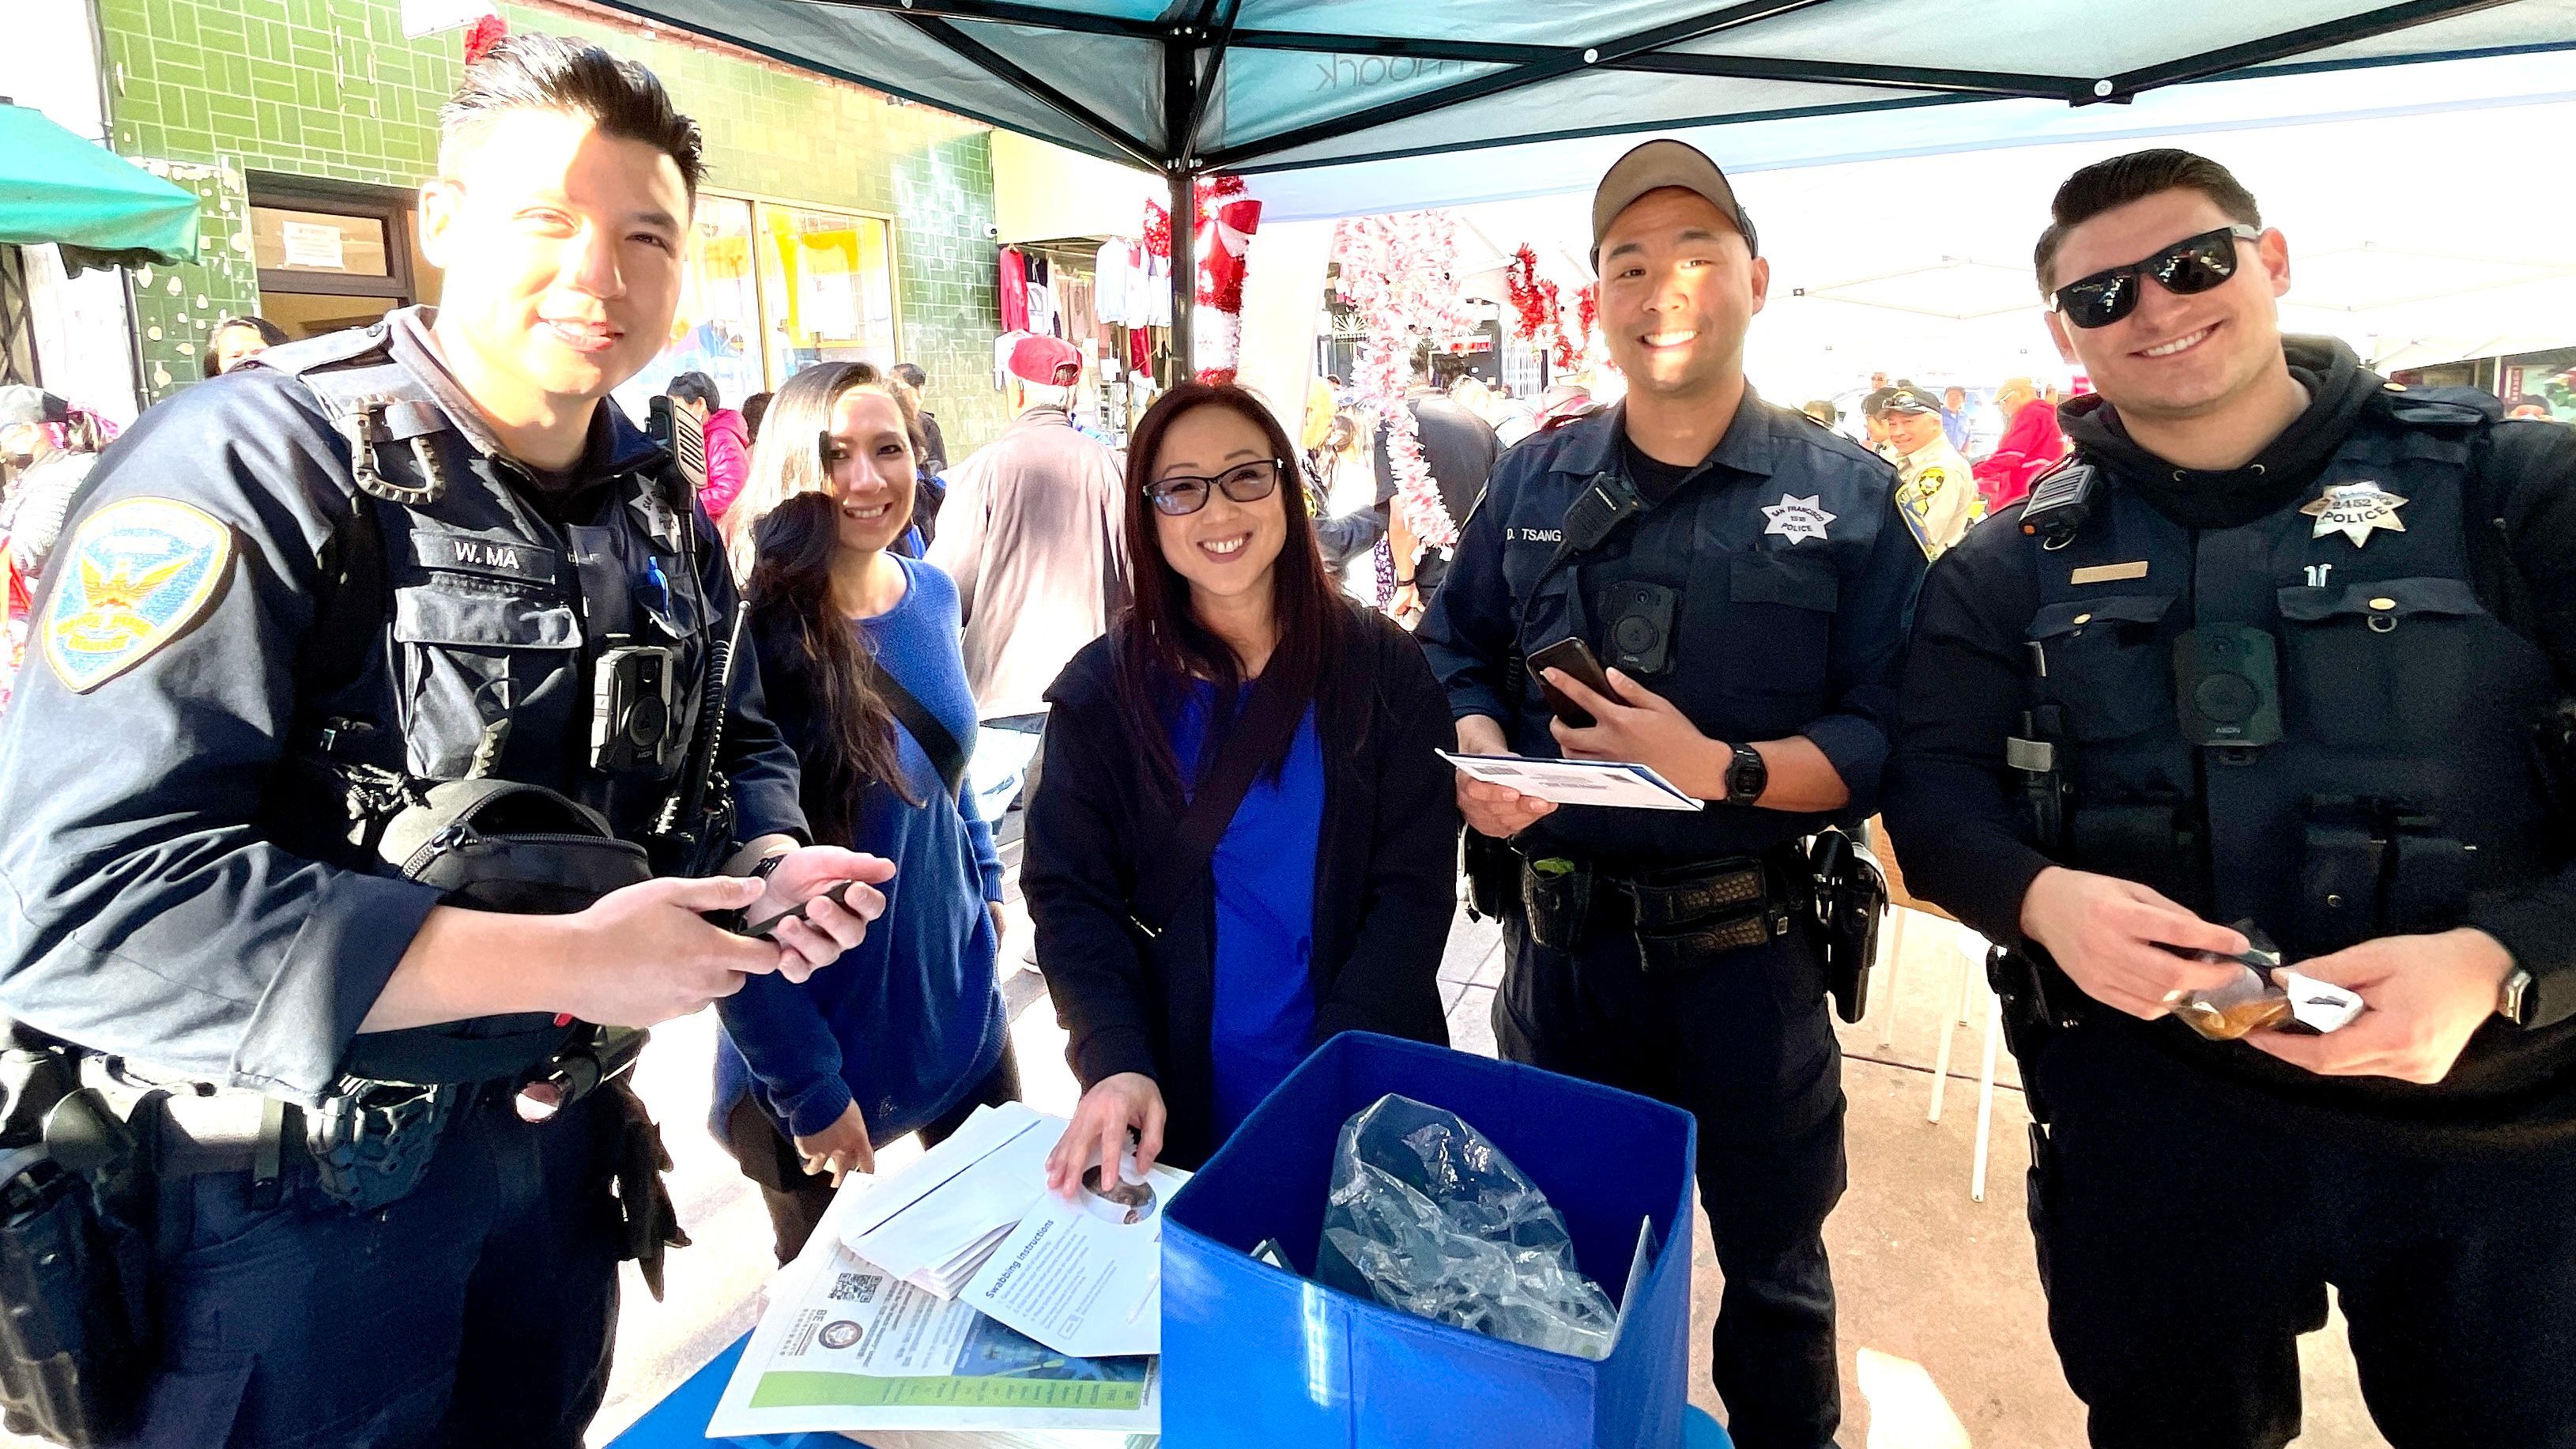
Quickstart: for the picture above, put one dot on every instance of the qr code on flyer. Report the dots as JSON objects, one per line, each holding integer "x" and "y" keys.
{"x": 855, "y": 1288}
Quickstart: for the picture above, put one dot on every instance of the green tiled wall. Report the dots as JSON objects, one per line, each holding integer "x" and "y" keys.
{"x": 208, "y": 91}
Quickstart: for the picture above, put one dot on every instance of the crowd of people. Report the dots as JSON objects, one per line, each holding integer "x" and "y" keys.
{"x": 432, "y": 712}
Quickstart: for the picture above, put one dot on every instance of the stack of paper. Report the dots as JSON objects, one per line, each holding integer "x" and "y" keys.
{"x": 933, "y": 1224}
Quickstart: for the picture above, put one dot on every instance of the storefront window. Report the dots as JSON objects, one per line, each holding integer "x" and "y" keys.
{"x": 719, "y": 313}
{"x": 829, "y": 289}
{"x": 818, "y": 285}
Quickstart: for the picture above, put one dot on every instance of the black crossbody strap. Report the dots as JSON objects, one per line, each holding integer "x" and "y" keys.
{"x": 946, "y": 755}
{"x": 1261, "y": 734}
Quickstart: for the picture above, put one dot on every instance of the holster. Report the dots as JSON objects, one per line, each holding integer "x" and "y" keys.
{"x": 1850, "y": 900}
{"x": 633, "y": 1149}
{"x": 2038, "y": 1001}
{"x": 76, "y": 1329}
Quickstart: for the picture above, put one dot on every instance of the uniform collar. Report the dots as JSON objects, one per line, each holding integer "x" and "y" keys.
{"x": 1746, "y": 447}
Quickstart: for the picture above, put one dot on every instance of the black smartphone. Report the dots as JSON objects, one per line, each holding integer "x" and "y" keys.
{"x": 768, "y": 929}
{"x": 1575, "y": 658}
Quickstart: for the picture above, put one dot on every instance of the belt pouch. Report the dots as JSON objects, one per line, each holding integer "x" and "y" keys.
{"x": 371, "y": 1145}
{"x": 2429, "y": 884}
{"x": 1556, "y": 896}
{"x": 2338, "y": 884}
{"x": 1688, "y": 915}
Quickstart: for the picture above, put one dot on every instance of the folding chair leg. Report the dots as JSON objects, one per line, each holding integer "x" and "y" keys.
{"x": 1986, "y": 1096}
{"x": 1894, "y": 961}
{"x": 1941, "y": 1059}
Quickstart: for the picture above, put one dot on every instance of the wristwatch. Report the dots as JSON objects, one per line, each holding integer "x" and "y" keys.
{"x": 1747, "y": 776}
{"x": 2536, "y": 1001}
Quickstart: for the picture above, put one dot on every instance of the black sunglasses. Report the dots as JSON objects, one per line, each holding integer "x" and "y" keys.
{"x": 2193, "y": 265}
{"x": 1249, "y": 483}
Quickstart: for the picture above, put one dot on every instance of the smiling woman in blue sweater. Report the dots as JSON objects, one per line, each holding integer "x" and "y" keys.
{"x": 858, "y": 652}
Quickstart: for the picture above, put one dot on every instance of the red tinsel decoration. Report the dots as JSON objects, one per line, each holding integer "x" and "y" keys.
{"x": 487, "y": 32}
{"x": 1587, "y": 309}
{"x": 1158, "y": 230}
{"x": 1529, "y": 304}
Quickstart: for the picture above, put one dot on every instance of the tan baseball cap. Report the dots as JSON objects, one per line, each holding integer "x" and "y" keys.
{"x": 1654, "y": 166}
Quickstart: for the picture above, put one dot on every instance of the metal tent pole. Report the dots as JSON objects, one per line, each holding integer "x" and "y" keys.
{"x": 1185, "y": 267}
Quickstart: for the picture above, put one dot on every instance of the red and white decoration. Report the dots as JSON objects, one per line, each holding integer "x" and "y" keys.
{"x": 1226, "y": 221}
{"x": 1396, "y": 275}
{"x": 1539, "y": 311}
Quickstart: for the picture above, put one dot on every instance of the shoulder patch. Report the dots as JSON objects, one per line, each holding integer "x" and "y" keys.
{"x": 139, "y": 574}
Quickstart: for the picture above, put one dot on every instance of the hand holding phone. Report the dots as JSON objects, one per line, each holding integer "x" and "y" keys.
{"x": 1574, "y": 658}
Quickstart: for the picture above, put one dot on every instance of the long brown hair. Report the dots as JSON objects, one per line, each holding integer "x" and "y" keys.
{"x": 850, "y": 739}
{"x": 1162, "y": 647}
{"x": 786, "y": 460}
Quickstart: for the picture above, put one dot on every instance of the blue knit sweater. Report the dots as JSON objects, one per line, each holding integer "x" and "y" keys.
{"x": 910, "y": 1019}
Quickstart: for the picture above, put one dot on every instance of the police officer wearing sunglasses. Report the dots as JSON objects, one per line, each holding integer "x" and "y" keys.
{"x": 2284, "y": 648}
{"x": 1743, "y": 576}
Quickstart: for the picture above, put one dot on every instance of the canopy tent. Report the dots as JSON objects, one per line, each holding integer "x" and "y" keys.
{"x": 1186, "y": 87}
{"x": 103, "y": 210}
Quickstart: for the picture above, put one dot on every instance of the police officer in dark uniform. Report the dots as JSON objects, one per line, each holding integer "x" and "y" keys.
{"x": 394, "y": 624}
{"x": 1744, "y": 577}
{"x": 2285, "y": 646}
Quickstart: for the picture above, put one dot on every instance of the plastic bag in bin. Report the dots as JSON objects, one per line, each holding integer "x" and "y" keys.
{"x": 1427, "y": 1217}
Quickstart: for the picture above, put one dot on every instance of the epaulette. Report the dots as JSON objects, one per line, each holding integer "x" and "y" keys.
{"x": 2442, "y": 407}
{"x": 295, "y": 359}
{"x": 2060, "y": 502}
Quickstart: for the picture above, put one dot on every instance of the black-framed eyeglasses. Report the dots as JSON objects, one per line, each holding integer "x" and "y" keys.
{"x": 2190, "y": 266}
{"x": 1246, "y": 483}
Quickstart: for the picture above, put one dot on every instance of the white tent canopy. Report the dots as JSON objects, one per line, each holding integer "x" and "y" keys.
{"x": 2418, "y": 235}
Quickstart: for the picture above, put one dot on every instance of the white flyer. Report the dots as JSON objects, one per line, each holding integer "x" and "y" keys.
{"x": 1084, "y": 1277}
{"x": 846, "y": 1346}
{"x": 1613, "y": 783}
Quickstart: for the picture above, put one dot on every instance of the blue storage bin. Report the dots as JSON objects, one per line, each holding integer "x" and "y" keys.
{"x": 1255, "y": 1357}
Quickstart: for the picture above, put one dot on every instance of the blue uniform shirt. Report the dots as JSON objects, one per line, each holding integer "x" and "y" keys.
{"x": 1793, "y": 581}
{"x": 1264, "y": 869}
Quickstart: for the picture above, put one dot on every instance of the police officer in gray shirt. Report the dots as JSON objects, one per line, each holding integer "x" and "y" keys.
{"x": 1745, "y": 577}
{"x": 383, "y": 627}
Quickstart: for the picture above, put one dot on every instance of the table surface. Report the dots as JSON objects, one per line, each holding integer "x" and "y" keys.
{"x": 681, "y": 1418}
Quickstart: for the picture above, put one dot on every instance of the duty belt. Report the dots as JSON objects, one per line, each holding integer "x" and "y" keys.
{"x": 1680, "y": 914}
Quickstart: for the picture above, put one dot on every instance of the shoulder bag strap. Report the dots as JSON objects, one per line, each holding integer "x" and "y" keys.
{"x": 1261, "y": 734}
{"x": 946, "y": 755}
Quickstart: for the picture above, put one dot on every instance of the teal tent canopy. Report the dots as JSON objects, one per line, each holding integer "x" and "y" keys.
{"x": 103, "y": 209}
{"x": 1186, "y": 87}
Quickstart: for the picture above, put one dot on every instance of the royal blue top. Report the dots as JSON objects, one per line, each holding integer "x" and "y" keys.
{"x": 1265, "y": 915}
{"x": 910, "y": 1019}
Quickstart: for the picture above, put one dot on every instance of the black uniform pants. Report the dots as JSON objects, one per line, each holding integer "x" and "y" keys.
{"x": 797, "y": 1199}
{"x": 474, "y": 1313}
{"x": 2186, "y": 1238}
{"x": 1743, "y": 1044}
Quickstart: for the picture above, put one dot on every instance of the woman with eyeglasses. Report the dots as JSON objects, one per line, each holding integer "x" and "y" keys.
{"x": 1243, "y": 836}
{"x": 858, "y": 651}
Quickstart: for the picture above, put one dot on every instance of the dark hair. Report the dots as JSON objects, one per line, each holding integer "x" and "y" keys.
{"x": 754, "y": 408}
{"x": 535, "y": 72}
{"x": 850, "y": 741}
{"x": 910, "y": 375}
{"x": 1162, "y": 646}
{"x": 2140, "y": 174}
{"x": 694, "y": 387}
{"x": 269, "y": 332}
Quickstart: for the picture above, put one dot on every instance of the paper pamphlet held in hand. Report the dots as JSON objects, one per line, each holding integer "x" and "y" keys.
{"x": 1612, "y": 783}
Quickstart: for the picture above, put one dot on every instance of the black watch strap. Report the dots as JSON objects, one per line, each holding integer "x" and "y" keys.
{"x": 1747, "y": 776}
{"x": 2533, "y": 1001}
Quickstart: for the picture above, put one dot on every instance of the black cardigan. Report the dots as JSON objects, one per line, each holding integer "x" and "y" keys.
{"x": 1385, "y": 880}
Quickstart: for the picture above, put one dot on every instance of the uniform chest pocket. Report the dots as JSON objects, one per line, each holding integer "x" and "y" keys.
{"x": 2107, "y": 665}
{"x": 1780, "y": 625}
{"x": 2378, "y": 664}
{"x": 472, "y": 657}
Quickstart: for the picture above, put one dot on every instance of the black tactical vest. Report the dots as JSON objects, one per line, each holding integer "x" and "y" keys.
{"x": 464, "y": 640}
{"x": 2323, "y": 730}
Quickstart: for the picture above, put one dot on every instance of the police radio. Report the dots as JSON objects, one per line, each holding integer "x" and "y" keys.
{"x": 2060, "y": 502}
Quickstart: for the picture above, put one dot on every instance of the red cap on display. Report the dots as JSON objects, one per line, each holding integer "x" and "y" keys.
{"x": 1047, "y": 361}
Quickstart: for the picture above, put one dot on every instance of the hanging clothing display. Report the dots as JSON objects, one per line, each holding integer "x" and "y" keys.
{"x": 1013, "y": 290}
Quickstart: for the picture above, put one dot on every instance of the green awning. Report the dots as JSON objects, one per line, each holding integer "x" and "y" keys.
{"x": 103, "y": 209}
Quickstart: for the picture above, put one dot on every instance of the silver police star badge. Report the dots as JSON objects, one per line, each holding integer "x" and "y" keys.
{"x": 2354, "y": 509}
{"x": 1795, "y": 518}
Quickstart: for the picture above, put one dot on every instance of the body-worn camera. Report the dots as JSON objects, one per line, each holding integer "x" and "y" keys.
{"x": 1637, "y": 621}
{"x": 2227, "y": 682}
{"x": 633, "y": 712}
